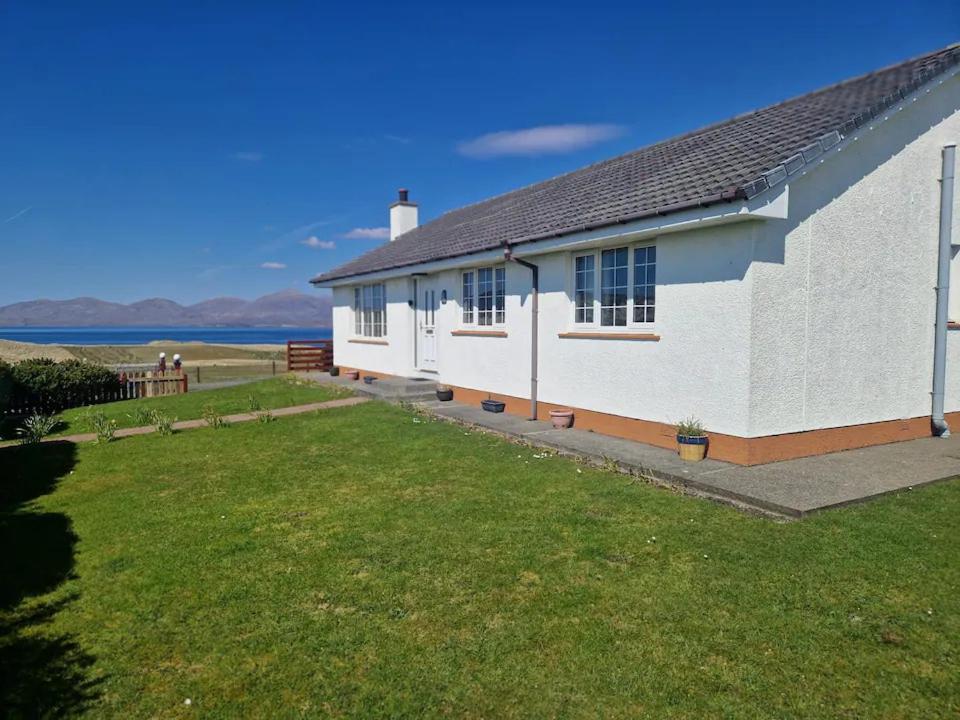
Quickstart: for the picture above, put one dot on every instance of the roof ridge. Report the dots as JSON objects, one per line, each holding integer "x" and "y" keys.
{"x": 949, "y": 56}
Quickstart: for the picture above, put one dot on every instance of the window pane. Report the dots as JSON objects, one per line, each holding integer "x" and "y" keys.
{"x": 499, "y": 295}
{"x": 644, "y": 283}
{"x": 584, "y": 270}
{"x": 485, "y": 296}
{"x": 613, "y": 287}
{"x": 368, "y": 310}
{"x": 467, "y": 300}
{"x": 357, "y": 313}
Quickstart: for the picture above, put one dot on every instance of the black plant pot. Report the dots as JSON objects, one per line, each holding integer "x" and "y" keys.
{"x": 368, "y": 379}
{"x": 445, "y": 395}
{"x": 334, "y": 371}
{"x": 494, "y": 406}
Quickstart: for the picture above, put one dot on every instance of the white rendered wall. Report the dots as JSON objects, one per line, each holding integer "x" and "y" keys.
{"x": 843, "y": 320}
{"x": 700, "y": 365}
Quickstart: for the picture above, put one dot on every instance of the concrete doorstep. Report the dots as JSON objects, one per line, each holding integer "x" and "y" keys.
{"x": 788, "y": 490}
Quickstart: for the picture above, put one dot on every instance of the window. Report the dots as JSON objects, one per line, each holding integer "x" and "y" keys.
{"x": 467, "y": 298}
{"x": 584, "y": 282}
{"x": 483, "y": 296}
{"x": 370, "y": 310}
{"x": 644, "y": 283}
{"x": 613, "y": 287}
{"x": 615, "y": 272}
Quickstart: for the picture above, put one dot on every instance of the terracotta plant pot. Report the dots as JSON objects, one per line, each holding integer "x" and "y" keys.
{"x": 352, "y": 374}
{"x": 494, "y": 406}
{"x": 445, "y": 394}
{"x": 692, "y": 448}
{"x": 561, "y": 419}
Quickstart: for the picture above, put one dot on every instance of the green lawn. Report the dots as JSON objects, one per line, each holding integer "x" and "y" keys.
{"x": 366, "y": 562}
{"x": 281, "y": 391}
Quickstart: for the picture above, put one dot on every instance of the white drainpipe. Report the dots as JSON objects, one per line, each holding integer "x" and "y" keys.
{"x": 940, "y": 426}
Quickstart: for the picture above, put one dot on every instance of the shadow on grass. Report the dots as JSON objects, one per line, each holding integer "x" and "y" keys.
{"x": 41, "y": 673}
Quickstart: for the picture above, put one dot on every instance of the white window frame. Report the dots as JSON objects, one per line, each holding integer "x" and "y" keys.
{"x": 596, "y": 254}
{"x": 370, "y": 310}
{"x": 497, "y": 315}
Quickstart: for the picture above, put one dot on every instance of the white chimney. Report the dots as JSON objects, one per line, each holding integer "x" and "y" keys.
{"x": 403, "y": 216}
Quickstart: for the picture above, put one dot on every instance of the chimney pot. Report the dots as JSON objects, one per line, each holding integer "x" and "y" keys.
{"x": 404, "y": 194}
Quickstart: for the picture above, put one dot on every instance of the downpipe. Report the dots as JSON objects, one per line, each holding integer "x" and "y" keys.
{"x": 534, "y": 323}
{"x": 939, "y": 422}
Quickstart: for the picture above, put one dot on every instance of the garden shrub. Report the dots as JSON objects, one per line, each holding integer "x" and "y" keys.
{"x": 52, "y": 386}
{"x": 36, "y": 427}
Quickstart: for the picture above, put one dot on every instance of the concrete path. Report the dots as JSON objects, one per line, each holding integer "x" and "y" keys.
{"x": 792, "y": 489}
{"x": 189, "y": 424}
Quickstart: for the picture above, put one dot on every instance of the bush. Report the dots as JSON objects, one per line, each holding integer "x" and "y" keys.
{"x": 212, "y": 417}
{"x": 53, "y": 386}
{"x": 36, "y": 427}
{"x": 102, "y": 426}
{"x": 162, "y": 422}
{"x": 6, "y": 385}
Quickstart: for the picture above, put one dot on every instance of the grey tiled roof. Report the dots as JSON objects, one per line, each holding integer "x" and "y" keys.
{"x": 735, "y": 159}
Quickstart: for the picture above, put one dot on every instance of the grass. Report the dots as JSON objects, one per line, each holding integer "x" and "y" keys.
{"x": 282, "y": 391}
{"x": 191, "y": 352}
{"x": 368, "y": 562}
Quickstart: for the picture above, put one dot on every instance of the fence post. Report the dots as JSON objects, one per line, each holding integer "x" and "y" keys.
{"x": 274, "y": 367}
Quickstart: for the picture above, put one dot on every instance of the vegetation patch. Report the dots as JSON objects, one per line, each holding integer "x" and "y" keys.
{"x": 355, "y": 563}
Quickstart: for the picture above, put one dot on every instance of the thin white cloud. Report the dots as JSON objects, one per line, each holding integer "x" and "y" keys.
{"x": 19, "y": 214}
{"x": 314, "y": 242}
{"x": 273, "y": 266}
{"x": 368, "y": 233}
{"x": 248, "y": 156}
{"x": 398, "y": 139}
{"x": 542, "y": 140}
{"x": 293, "y": 236}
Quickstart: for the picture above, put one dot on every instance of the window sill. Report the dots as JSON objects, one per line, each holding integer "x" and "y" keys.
{"x": 368, "y": 341}
{"x": 647, "y": 336}
{"x": 953, "y": 325}
{"x": 479, "y": 333}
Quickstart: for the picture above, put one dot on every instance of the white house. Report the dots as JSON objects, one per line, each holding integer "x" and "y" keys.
{"x": 774, "y": 275}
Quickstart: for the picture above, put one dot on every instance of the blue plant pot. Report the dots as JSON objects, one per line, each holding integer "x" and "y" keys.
{"x": 494, "y": 406}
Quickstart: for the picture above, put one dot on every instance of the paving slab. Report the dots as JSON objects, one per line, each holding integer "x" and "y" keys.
{"x": 791, "y": 489}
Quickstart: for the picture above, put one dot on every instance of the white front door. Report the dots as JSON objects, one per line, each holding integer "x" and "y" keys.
{"x": 427, "y": 324}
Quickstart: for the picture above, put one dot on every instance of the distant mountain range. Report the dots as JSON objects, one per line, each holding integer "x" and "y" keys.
{"x": 288, "y": 307}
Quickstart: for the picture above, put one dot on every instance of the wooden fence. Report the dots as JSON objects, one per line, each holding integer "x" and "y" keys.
{"x": 309, "y": 355}
{"x": 129, "y": 385}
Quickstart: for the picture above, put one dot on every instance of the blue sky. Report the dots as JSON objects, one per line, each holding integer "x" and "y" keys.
{"x": 191, "y": 150}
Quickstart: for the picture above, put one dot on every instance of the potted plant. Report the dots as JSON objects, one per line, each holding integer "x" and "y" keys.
{"x": 368, "y": 379}
{"x": 491, "y": 405}
{"x": 334, "y": 371}
{"x": 444, "y": 394}
{"x": 561, "y": 419}
{"x": 352, "y": 374}
{"x": 691, "y": 439}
